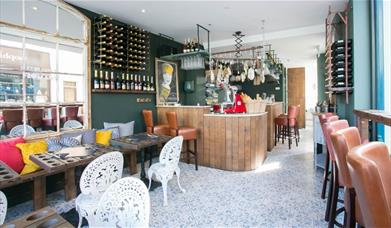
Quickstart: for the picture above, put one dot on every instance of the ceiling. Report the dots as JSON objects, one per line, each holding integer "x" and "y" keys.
{"x": 178, "y": 19}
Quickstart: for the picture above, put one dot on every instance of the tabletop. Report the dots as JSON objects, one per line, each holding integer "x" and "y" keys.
{"x": 140, "y": 141}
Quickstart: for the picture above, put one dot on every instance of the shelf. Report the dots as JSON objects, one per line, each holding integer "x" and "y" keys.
{"x": 340, "y": 89}
{"x": 178, "y": 57}
{"x": 122, "y": 91}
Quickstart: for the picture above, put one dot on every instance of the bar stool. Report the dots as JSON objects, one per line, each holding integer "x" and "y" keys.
{"x": 343, "y": 142}
{"x": 188, "y": 133}
{"x": 35, "y": 117}
{"x": 284, "y": 124}
{"x": 161, "y": 129}
{"x": 370, "y": 169}
{"x": 331, "y": 206}
{"x": 323, "y": 118}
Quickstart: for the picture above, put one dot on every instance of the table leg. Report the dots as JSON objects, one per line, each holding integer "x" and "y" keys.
{"x": 70, "y": 184}
{"x": 363, "y": 127}
{"x": 142, "y": 157}
{"x": 39, "y": 197}
{"x": 132, "y": 162}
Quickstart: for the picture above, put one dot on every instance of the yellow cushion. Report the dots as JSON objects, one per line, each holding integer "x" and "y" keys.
{"x": 103, "y": 137}
{"x": 28, "y": 149}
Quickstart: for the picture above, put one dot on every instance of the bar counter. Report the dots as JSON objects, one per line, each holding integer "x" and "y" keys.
{"x": 234, "y": 142}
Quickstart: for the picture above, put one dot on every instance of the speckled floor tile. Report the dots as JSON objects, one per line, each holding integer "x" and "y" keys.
{"x": 283, "y": 192}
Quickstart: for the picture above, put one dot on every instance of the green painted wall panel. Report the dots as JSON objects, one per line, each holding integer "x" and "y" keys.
{"x": 321, "y": 77}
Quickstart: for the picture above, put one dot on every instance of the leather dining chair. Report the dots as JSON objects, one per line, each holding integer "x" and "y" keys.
{"x": 35, "y": 117}
{"x": 331, "y": 210}
{"x": 12, "y": 118}
{"x": 161, "y": 129}
{"x": 370, "y": 169}
{"x": 51, "y": 120}
{"x": 70, "y": 113}
{"x": 188, "y": 133}
{"x": 285, "y": 124}
{"x": 343, "y": 142}
{"x": 323, "y": 118}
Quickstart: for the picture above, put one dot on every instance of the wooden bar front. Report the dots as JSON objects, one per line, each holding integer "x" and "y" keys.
{"x": 273, "y": 110}
{"x": 235, "y": 142}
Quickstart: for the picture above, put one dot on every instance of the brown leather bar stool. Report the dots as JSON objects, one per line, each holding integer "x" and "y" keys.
{"x": 370, "y": 170}
{"x": 35, "y": 117}
{"x": 161, "y": 129}
{"x": 188, "y": 133}
{"x": 331, "y": 209}
{"x": 323, "y": 118}
{"x": 11, "y": 118}
{"x": 343, "y": 142}
{"x": 285, "y": 124}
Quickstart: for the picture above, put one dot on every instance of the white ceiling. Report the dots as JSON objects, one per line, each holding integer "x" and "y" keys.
{"x": 178, "y": 19}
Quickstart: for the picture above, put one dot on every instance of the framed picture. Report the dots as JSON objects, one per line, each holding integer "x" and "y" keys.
{"x": 167, "y": 90}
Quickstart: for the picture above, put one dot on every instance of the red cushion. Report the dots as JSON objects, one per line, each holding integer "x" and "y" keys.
{"x": 11, "y": 155}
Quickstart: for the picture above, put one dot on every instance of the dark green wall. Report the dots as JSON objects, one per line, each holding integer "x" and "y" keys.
{"x": 198, "y": 96}
{"x": 321, "y": 77}
{"x": 112, "y": 107}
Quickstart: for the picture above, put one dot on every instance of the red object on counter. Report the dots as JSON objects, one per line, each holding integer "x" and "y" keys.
{"x": 216, "y": 108}
{"x": 239, "y": 106}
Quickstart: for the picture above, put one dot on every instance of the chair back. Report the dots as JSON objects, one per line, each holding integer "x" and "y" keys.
{"x": 12, "y": 118}
{"x": 343, "y": 141}
{"x": 19, "y": 130}
{"x": 148, "y": 120}
{"x": 172, "y": 122}
{"x": 35, "y": 117}
{"x": 329, "y": 128}
{"x": 293, "y": 111}
{"x": 171, "y": 152}
{"x": 52, "y": 113}
{"x": 71, "y": 112}
{"x": 101, "y": 173}
{"x": 370, "y": 170}
{"x": 125, "y": 203}
{"x": 73, "y": 124}
{"x": 3, "y": 207}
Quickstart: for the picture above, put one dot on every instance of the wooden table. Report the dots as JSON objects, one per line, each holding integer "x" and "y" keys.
{"x": 140, "y": 142}
{"x": 364, "y": 116}
{"x": 54, "y": 164}
{"x": 45, "y": 217}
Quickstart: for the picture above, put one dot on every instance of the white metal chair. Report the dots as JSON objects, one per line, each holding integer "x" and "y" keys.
{"x": 72, "y": 124}
{"x": 3, "y": 207}
{"x": 125, "y": 203}
{"x": 18, "y": 130}
{"x": 168, "y": 164}
{"x": 95, "y": 179}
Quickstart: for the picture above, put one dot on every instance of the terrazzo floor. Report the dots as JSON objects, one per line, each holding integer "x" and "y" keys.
{"x": 283, "y": 192}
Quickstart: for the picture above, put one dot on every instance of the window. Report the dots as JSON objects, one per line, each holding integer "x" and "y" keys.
{"x": 43, "y": 64}
{"x": 387, "y": 64}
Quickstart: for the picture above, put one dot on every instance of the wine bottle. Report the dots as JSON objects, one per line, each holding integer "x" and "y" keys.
{"x": 132, "y": 85}
{"x": 107, "y": 81}
{"x": 112, "y": 82}
{"x": 144, "y": 84}
{"x": 152, "y": 86}
{"x": 119, "y": 82}
{"x": 96, "y": 80}
{"x": 101, "y": 81}
{"x": 123, "y": 82}
{"x": 148, "y": 88}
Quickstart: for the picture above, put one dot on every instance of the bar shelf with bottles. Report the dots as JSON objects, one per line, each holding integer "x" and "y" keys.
{"x": 111, "y": 82}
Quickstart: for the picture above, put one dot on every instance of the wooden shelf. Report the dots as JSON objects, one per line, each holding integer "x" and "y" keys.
{"x": 122, "y": 91}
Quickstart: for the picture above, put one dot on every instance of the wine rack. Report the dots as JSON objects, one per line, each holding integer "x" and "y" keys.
{"x": 138, "y": 49}
{"x": 339, "y": 61}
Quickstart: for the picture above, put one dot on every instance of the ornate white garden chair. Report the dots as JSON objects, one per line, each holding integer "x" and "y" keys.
{"x": 95, "y": 179}
{"x": 3, "y": 207}
{"x": 125, "y": 203}
{"x": 168, "y": 164}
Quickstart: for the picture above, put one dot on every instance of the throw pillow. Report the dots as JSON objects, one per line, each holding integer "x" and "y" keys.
{"x": 54, "y": 144}
{"x": 27, "y": 149}
{"x": 114, "y": 132}
{"x": 89, "y": 137}
{"x": 125, "y": 129}
{"x": 103, "y": 137}
{"x": 71, "y": 141}
{"x": 10, "y": 154}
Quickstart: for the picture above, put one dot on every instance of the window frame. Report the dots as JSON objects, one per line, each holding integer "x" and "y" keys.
{"x": 26, "y": 32}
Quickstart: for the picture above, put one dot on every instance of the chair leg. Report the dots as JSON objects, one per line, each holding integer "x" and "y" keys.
{"x": 188, "y": 151}
{"x": 351, "y": 218}
{"x": 289, "y": 137}
{"x": 275, "y": 134}
{"x": 164, "y": 185}
{"x": 150, "y": 156}
{"x": 283, "y": 134}
{"x": 334, "y": 201}
{"x": 178, "y": 173}
{"x": 195, "y": 154}
{"x": 325, "y": 176}
{"x": 150, "y": 174}
{"x": 80, "y": 218}
{"x": 329, "y": 196}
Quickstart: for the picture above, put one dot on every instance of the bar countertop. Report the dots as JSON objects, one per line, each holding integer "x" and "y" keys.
{"x": 182, "y": 106}
{"x": 235, "y": 114}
